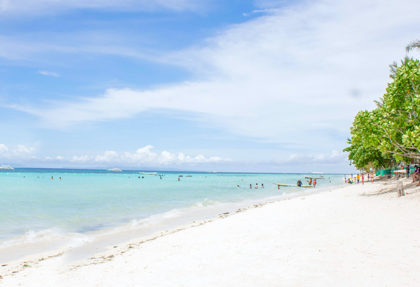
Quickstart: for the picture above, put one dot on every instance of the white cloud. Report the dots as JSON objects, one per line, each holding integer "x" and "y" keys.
{"x": 3, "y": 148}
{"x": 145, "y": 156}
{"x": 16, "y": 152}
{"x": 22, "y": 149}
{"x": 287, "y": 76}
{"x": 318, "y": 158}
{"x": 48, "y": 6}
{"x": 16, "y": 47}
{"x": 297, "y": 75}
{"x": 49, "y": 74}
{"x": 108, "y": 156}
{"x": 80, "y": 158}
{"x": 54, "y": 158}
{"x": 267, "y": 4}
{"x": 148, "y": 157}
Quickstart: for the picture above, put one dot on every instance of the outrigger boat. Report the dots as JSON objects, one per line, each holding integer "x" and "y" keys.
{"x": 320, "y": 177}
{"x": 291, "y": 185}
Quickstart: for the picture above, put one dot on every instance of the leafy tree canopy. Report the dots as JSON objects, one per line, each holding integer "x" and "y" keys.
{"x": 391, "y": 132}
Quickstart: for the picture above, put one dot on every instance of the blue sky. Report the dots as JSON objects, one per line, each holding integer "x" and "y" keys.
{"x": 258, "y": 85}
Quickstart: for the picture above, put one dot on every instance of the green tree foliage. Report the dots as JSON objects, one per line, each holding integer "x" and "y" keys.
{"x": 399, "y": 116}
{"x": 364, "y": 144}
{"x": 391, "y": 132}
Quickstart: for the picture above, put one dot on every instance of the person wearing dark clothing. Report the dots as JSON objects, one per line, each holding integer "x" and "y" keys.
{"x": 416, "y": 174}
{"x": 299, "y": 183}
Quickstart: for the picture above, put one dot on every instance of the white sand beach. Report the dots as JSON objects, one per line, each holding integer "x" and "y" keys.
{"x": 350, "y": 236}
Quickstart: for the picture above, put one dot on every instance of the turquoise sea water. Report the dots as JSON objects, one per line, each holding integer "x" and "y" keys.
{"x": 87, "y": 200}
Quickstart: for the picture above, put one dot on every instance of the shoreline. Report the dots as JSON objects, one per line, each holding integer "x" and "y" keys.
{"x": 122, "y": 250}
{"x": 84, "y": 204}
{"x": 81, "y": 246}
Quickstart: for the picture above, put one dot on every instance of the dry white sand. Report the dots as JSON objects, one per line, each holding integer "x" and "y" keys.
{"x": 338, "y": 238}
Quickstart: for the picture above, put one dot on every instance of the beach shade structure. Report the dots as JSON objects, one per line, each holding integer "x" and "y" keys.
{"x": 399, "y": 171}
{"x": 383, "y": 172}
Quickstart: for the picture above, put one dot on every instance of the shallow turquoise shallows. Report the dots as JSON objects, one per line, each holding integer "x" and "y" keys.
{"x": 81, "y": 201}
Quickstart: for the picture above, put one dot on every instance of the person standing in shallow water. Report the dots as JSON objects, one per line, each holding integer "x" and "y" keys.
{"x": 314, "y": 182}
{"x": 299, "y": 183}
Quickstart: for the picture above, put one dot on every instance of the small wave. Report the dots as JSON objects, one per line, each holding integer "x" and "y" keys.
{"x": 206, "y": 202}
{"x": 156, "y": 218}
{"x": 47, "y": 235}
{"x": 32, "y": 236}
{"x": 173, "y": 214}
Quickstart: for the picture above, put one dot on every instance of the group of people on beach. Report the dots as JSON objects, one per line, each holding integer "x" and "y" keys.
{"x": 406, "y": 169}
{"x": 310, "y": 182}
{"x": 416, "y": 174}
{"x": 359, "y": 178}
